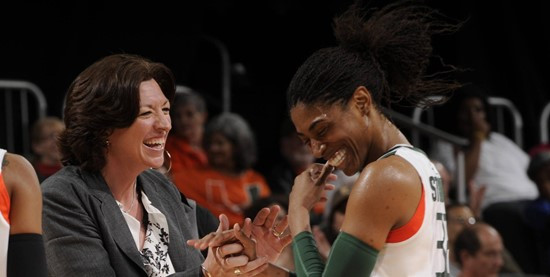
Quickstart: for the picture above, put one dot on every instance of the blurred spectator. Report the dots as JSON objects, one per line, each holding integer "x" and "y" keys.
{"x": 478, "y": 251}
{"x": 495, "y": 162}
{"x": 184, "y": 143}
{"x": 44, "y": 136}
{"x": 492, "y": 160}
{"x": 459, "y": 216}
{"x": 538, "y": 211}
{"x": 296, "y": 157}
{"x": 229, "y": 184}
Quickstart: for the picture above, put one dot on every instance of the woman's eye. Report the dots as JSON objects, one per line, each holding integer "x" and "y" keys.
{"x": 322, "y": 133}
{"x": 145, "y": 113}
{"x": 166, "y": 110}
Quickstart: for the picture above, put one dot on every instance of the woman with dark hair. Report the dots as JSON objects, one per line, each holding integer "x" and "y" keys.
{"x": 394, "y": 223}
{"x": 108, "y": 212}
{"x": 491, "y": 159}
{"x": 230, "y": 184}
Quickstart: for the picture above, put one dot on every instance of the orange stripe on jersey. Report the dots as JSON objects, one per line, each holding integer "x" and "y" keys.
{"x": 408, "y": 230}
{"x": 4, "y": 199}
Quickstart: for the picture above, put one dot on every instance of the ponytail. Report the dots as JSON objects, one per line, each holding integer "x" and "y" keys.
{"x": 388, "y": 53}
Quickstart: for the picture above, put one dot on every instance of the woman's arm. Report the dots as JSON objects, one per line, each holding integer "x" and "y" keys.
{"x": 384, "y": 197}
{"x": 26, "y": 255}
{"x": 25, "y": 195}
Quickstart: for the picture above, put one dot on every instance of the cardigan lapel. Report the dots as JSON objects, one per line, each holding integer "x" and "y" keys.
{"x": 113, "y": 217}
{"x": 181, "y": 218}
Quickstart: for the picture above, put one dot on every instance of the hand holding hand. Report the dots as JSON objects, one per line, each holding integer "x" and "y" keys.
{"x": 228, "y": 259}
{"x": 271, "y": 236}
{"x": 267, "y": 236}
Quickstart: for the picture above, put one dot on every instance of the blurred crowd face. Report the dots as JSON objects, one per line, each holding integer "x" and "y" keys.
{"x": 189, "y": 123}
{"x": 47, "y": 148}
{"x": 470, "y": 114}
{"x": 142, "y": 144}
{"x": 220, "y": 152}
{"x": 458, "y": 218}
{"x": 488, "y": 260}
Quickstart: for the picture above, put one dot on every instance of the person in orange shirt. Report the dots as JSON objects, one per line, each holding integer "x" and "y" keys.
{"x": 184, "y": 143}
{"x": 229, "y": 184}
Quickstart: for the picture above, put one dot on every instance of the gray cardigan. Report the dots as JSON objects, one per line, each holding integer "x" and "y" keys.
{"x": 85, "y": 233}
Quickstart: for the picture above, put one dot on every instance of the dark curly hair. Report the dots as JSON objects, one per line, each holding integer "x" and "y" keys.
{"x": 104, "y": 97}
{"x": 388, "y": 54}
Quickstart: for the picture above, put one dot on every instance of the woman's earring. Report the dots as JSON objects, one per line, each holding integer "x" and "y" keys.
{"x": 167, "y": 155}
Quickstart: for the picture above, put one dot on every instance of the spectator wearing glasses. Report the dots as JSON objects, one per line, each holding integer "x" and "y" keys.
{"x": 459, "y": 217}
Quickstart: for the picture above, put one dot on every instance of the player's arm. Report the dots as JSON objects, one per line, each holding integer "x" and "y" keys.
{"x": 25, "y": 195}
{"x": 383, "y": 198}
{"x": 26, "y": 255}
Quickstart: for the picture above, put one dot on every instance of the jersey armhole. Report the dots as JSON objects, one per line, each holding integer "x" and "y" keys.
{"x": 410, "y": 228}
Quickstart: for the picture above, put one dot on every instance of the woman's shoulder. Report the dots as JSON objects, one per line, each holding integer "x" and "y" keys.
{"x": 66, "y": 175}
{"x": 73, "y": 180}
{"x": 19, "y": 175}
{"x": 391, "y": 175}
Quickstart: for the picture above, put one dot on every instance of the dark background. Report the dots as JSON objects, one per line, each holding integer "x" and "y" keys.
{"x": 504, "y": 44}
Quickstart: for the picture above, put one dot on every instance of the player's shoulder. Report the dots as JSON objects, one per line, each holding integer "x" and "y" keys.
{"x": 393, "y": 169}
{"x": 387, "y": 179}
{"x": 18, "y": 172}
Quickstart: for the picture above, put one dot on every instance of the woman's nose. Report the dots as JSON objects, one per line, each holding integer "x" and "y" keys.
{"x": 164, "y": 122}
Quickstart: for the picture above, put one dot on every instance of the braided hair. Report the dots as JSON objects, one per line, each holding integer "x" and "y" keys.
{"x": 388, "y": 53}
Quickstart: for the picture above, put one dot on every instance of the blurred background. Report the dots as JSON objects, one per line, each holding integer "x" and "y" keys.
{"x": 503, "y": 44}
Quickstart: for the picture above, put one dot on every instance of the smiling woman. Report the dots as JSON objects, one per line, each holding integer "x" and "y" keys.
{"x": 152, "y": 125}
{"x": 336, "y": 101}
{"x": 107, "y": 212}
